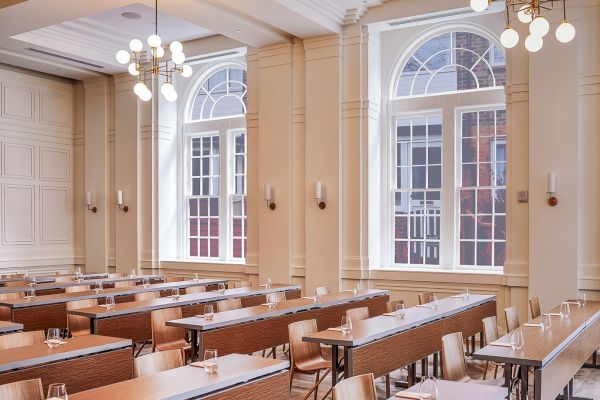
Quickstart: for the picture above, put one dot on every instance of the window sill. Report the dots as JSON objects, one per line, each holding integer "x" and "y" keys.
{"x": 442, "y": 270}
{"x": 209, "y": 265}
{"x": 438, "y": 275}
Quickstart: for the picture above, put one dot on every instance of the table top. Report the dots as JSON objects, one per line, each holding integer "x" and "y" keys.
{"x": 63, "y": 285}
{"x": 8, "y": 327}
{"x": 375, "y": 328}
{"x": 133, "y": 307}
{"x": 541, "y": 345}
{"x": 188, "y": 382}
{"x": 247, "y": 314}
{"x": 27, "y": 356}
{"x": 92, "y": 294}
{"x": 50, "y": 278}
{"x": 449, "y": 390}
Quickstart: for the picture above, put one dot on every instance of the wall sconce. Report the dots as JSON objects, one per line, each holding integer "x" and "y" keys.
{"x": 88, "y": 202}
{"x": 269, "y": 197}
{"x": 319, "y": 195}
{"x": 120, "y": 201}
{"x": 551, "y": 189}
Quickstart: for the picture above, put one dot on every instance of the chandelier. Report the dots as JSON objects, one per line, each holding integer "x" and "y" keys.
{"x": 530, "y": 12}
{"x": 152, "y": 67}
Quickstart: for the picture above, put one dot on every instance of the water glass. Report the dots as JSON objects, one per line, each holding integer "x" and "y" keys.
{"x": 132, "y": 274}
{"x": 221, "y": 288}
{"x": 346, "y": 325}
{"x": 546, "y": 321}
{"x": 98, "y": 287}
{"x": 433, "y": 302}
{"x": 465, "y": 294}
{"x": 110, "y": 302}
{"x": 581, "y": 299}
{"x": 356, "y": 288}
{"x": 57, "y": 391}
{"x": 428, "y": 388}
{"x": 565, "y": 310}
{"x": 211, "y": 361}
{"x": 30, "y": 294}
{"x": 271, "y": 299}
{"x": 208, "y": 312}
{"x": 196, "y": 277}
{"x": 269, "y": 283}
{"x": 516, "y": 340}
{"x": 33, "y": 281}
{"x": 53, "y": 338}
{"x": 400, "y": 311}
{"x": 175, "y": 293}
{"x": 146, "y": 282}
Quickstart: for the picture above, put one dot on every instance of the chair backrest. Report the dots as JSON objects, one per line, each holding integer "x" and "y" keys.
{"x": 79, "y": 325}
{"x": 390, "y": 306}
{"x": 78, "y": 288}
{"x": 453, "y": 357}
{"x": 124, "y": 284}
{"x": 242, "y": 284}
{"x": 512, "y": 318}
{"x": 174, "y": 279}
{"x": 21, "y": 339}
{"x": 490, "y": 329}
{"x": 22, "y": 390}
{"x": 64, "y": 279}
{"x": 323, "y": 290}
{"x": 303, "y": 352}
{"x": 425, "y": 297}
{"x": 156, "y": 362}
{"x": 534, "y": 305}
{"x": 279, "y": 296}
{"x": 358, "y": 314}
{"x": 5, "y": 314}
{"x": 12, "y": 276}
{"x": 117, "y": 275}
{"x": 195, "y": 289}
{"x": 146, "y": 296}
{"x": 358, "y": 387}
{"x": 16, "y": 283}
{"x": 229, "y": 304}
{"x": 167, "y": 337}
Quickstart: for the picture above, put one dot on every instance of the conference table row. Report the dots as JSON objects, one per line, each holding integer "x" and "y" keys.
{"x": 49, "y": 278}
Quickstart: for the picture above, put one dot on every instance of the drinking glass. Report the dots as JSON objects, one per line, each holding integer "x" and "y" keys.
{"x": 433, "y": 302}
{"x": 581, "y": 299}
{"x": 30, "y": 294}
{"x": 516, "y": 340}
{"x": 196, "y": 278}
{"x": 132, "y": 274}
{"x": 221, "y": 287}
{"x": 26, "y": 274}
{"x": 271, "y": 300}
{"x": 175, "y": 293}
{"x": 110, "y": 302}
{"x": 356, "y": 288}
{"x": 565, "y": 310}
{"x": 428, "y": 388}
{"x": 208, "y": 312}
{"x": 346, "y": 325}
{"x": 98, "y": 288}
{"x": 78, "y": 276}
{"x": 57, "y": 391}
{"x": 546, "y": 321}
{"x": 400, "y": 311}
{"x": 466, "y": 294}
{"x": 211, "y": 361}
{"x": 33, "y": 281}
{"x": 146, "y": 282}
{"x": 269, "y": 283}
{"x": 54, "y": 337}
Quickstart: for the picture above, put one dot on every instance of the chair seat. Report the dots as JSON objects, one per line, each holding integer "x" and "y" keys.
{"x": 175, "y": 346}
{"x": 487, "y": 382}
{"x": 313, "y": 365}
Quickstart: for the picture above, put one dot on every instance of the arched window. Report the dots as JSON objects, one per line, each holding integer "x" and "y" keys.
{"x": 448, "y": 166}
{"x": 215, "y": 172}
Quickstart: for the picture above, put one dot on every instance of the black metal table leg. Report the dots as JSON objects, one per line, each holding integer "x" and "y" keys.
{"x": 334, "y": 365}
{"x": 194, "y": 345}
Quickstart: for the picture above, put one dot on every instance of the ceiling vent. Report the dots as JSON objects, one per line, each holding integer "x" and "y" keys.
{"x": 215, "y": 56}
{"x": 47, "y": 53}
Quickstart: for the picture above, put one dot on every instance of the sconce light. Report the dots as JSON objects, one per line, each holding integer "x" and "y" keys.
{"x": 269, "y": 197}
{"x": 120, "y": 201}
{"x": 319, "y": 195}
{"x": 88, "y": 202}
{"x": 551, "y": 189}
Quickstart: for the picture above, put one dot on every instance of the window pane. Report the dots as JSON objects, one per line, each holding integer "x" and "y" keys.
{"x": 222, "y": 95}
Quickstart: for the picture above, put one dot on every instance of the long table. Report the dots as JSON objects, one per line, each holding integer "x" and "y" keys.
{"x": 256, "y": 328}
{"x": 132, "y": 319}
{"x": 51, "y": 278}
{"x": 59, "y": 287}
{"x": 555, "y": 354}
{"x": 386, "y": 343}
{"x": 9, "y": 327}
{"x": 238, "y": 377}
{"x": 449, "y": 390}
{"x": 43, "y": 312}
{"x": 82, "y": 363}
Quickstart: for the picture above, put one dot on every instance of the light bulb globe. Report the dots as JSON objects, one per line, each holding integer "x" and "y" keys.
{"x": 154, "y": 41}
{"x": 136, "y": 45}
{"x": 176, "y": 47}
{"x": 186, "y": 71}
{"x": 534, "y": 43}
{"x": 479, "y": 5}
{"x": 539, "y": 26}
{"x": 146, "y": 95}
{"x": 159, "y": 52}
{"x": 123, "y": 57}
{"x": 171, "y": 96}
{"x": 524, "y": 14}
{"x": 178, "y": 58}
{"x": 139, "y": 88}
{"x": 133, "y": 69}
{"x": 509, "y": 38}
{"x": 166, "y": 88}
{"x": 565, "y": 32}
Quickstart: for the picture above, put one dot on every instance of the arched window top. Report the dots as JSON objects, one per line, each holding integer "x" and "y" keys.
{"x": 452, "y": 62}
{"x": 222, "y": 95}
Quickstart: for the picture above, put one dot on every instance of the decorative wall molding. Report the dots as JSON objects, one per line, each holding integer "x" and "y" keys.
{"x": 55, "y": 215}
{"x": 54, "y": 164}
{"x": 18, "y": 160}
{"x": 17, "y": 102}
{"x": 18, "y": 214}
{"x": 55, "y": 109}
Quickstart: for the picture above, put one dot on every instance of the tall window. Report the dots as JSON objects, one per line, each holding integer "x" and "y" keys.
{"x": 215, "y": 155}
{"x": 448, "y": 165}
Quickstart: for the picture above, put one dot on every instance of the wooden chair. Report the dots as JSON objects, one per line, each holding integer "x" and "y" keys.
{"x": 167, "y": 337}
{"x": 323, "y": 290}
{"x": 117, "y": 275}
{"x": 358, "y": 314}
{"x": 64, "y": 279}
{"x": 358, "y": 387}
{"x": 16, "y": 283}
{"x": 490, "y": 334}
{"x": 23, "y": 390}
{"x": 534, "y": 305}
{"x": 306, "y": 357}
{"x": 195, "y": 289}
{"x": 242, "y": 284}
{"x": 79, "y": 325}
{"x": 124, "y": 284}
{"x": 5, "y": 313}
{"x": 512, "y": 318}
{"x": 425, "y": 297}
{"x": 279, "y": 296}
{"x": 154, "y": 363}
{"x": 228, "y": 304}
{"x": 174, "y": 279}
{"x": 21, "y": 339}
{"x": 78, "y": 288}
{"x": 146, "y": 296}
{"x": 390, "y": 306}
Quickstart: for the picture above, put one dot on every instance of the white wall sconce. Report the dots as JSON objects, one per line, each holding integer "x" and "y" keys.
{"x": 120, "y": 201}
{"x": 551, "y": 189}
{"x": 269, "y": 197}
{"x": 89, "y": 202}
{"x": 319, "y": 198}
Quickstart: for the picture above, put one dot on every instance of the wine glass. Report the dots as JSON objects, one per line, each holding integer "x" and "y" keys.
{"x": 465, "y": 294}
{"x": 30, "y": 294}
{"x": 78, "y": 276}
{"x": 196, "y": 278}
{"x": 546, "y": 321}
{"x": 400, "y": 311}
{"x": 175, "y": 293}
{"x": 581, "y": 299}
{"x": 271, "y": 300}
{"x": 269, "y": 283}
{"x": 54, "y": 337}
{"x": 33, "y": 281}
{"x": 211, "y": 361}
{"x": 565, "y": 310}
{"x": 57, "y": 391}
{"x": 221, "y": 287}
{"x": 428, "y": 388}
{"x": 146, "y": 282}
{"x": 356, "y": 288}
{"x": 433, "y": 302}
{"x": 98, "y": 287}
{"x": 132, "y": 273}
{"x": 208, "y": 312}
{"x": 517, "y": 341}
{"x": 110, "y": 302}
{"x": 346, "y": 325}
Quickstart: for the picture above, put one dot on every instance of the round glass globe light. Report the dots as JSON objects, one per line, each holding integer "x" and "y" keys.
{"x": 509, "y": 38}
{"x": 176, "y": 47}
{"x": 565, "y": 32}
{"x": 154, "y": 41}
{"x": 133, "y": 69}
{"x": 136, "y": 45}
{"x": 146, "y": 95}
{"x": 186, "y": 71}
{"x": 524, "y": 14}
{"x": 166, "y": 88}
{"x": 539, "y": 26}
{"x": 171, "y": 96}
{"x": 139, "y": 88}
{"x": 178, "y": 58}
{"x": 159, "y": 52}
{"x": 533, "y": 43}
{"x": 123, "y": 57}
{"x": 479, "y": 5}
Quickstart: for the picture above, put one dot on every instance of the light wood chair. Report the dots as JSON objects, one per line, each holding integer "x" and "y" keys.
{"x": 167, "y": 337}
{"x": 154, "y": 363}
{"x": 490, "y": 334}
{"x": 146, "y": 296}
{"x": 64, "y": 279}
{"x": 323, "y": 290}
{"x": 124, "y": 284}
{"x": 117, "y": 275}
{"x": 534, "y": 305}
{"x": 306, "y": 357}
{"x": 390, "y": 306}
{"x": 5, "y": 313}
{"x": 195, "y": 289}
{"x": 79, "y": 325}
{"x": 12, "y": 276}
{"x": 78, "y": 288}
{"x": 358, "y": 387}
{"x": 242, "y": 284}
{"x": 23, "y": 390}
{"x": 279, "y": 296}
{"x": 425, "y": 297}
{"x": 16, "y": 283}
{"x": 512, "y": 318}
{"x": 229, "y": 304}
{"x": 21, "y": 339}
{"x": 174, "y": 279}
{"x": 358, "y": 314}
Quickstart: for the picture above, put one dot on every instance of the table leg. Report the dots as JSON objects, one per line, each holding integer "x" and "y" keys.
{"x": 92, "y": 326}
{"x": 508, "y": 377}
{"x": 424, "y": 366}
{"x": 524, "y": 381}
{"x": 194, "y": 345}
{"x": 435, "y": 364}
{"x": 348, "y": 358}
{"x": 481, "y": 340}
{"x": 472, "y": 344}
{"x": 334, "y": 365}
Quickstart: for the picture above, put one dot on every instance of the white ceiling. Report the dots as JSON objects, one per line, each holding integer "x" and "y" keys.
{"x": 92, "y": 31}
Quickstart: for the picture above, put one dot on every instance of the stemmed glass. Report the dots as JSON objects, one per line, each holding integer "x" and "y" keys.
{"x": 433, "y": 302}
{"x": 30, "y": 294}
{"x": 581, "y": 299}
{"x": 546, "y": 321}
{"x": 465, "y": 294}
{"x": 428, "y": 388}
{"x": 146, "y": 282}
{"x": 54, "y": 337}
{"x": 98, "y": 287}
{"x": 33, "y": 281}
{"x": 269, "y": 283}
{"x": 57, "y": 391}
{"x": 517, "y": 341}
{"x": 132, "y": 273}
{"x": 196, "y": 278}
{"x": 79, "y": 276}
{"x": 565, "y": 310}
{"x": 400, "y": 311}
{"x": 211, "y": 361}
{"x": 110, "y": 302}
{"x": 271, "y": 300}
{"x": 221, "y": 288}
{"x": 208, "y": 312}
{"x": 346, "y": 325}
{"x": 175, "y": 293}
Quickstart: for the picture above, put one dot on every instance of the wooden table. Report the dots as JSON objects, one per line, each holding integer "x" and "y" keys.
{"x": 555, "y": 354}
{"x": 9, "y": 327}
{"x": 84, "y": 362}
{"x": 239, "y": 377}
{"x": 132, "y": 319}
{"x": 256, "y": 328}
{"x": 386, "y": 343}
{"x": 51, "y": 278}
{"x": 59, "y": 287}
{"x": 448, "y": 390}
{"x": 50, "y": 311}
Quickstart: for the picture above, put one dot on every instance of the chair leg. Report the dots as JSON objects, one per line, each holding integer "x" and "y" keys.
{"x": 387, "y": 386}
{"x": 495, "y": 371}
{"x": 274, "y": 351}
{"x": 291, "y": 377}
{"x": 487, "y": 365}
{"x": 316, "y": 383}
{"x": 316, "y": 387}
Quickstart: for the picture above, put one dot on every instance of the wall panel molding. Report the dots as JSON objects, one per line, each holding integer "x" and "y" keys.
{"x": 18, "y": 160}
{"x": 55, "y": 215}
{"x": 18, "y": 214}
{"x": 54, "y": 164}
{"x": 18, "y": 102}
